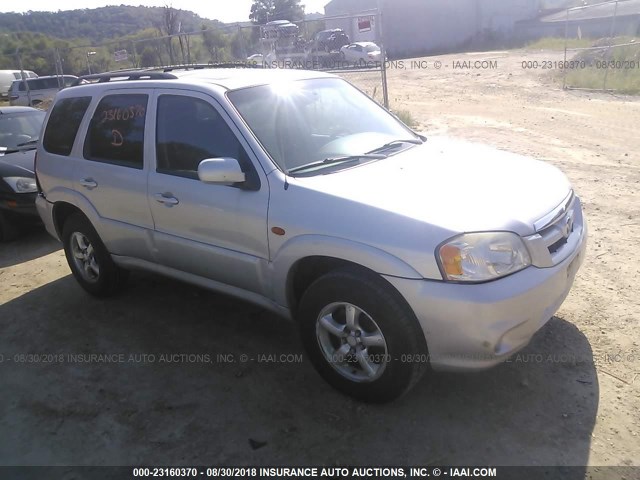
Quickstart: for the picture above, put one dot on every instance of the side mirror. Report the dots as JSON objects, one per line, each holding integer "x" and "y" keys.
{"x": 223, "y": 171}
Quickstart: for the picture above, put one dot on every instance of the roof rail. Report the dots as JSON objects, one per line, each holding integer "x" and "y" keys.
{"x": 124, "y": 75}
{"x": 201, "y": 66}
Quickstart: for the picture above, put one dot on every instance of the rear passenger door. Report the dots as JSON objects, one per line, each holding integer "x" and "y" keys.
{"x": 213, "y": 231}
{"x": 112, "y": 171}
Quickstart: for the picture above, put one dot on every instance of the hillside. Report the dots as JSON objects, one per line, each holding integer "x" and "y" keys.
{"x": 97, "y": 24}
{"x": 86, "y": 41}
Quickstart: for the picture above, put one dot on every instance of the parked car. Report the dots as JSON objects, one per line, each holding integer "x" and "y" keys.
{"x": 19, "y": 128}
{"x": 19, "y": 131}
{"x": 294, "y": 190}
{"x": 7, "y": 77}
{"x": 329, "y": 41}
{"x": 40, "y": 89}
{"x": 361, "y": 53}
{"x": 256, "y": 59}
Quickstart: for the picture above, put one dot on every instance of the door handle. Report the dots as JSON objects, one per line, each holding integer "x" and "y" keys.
{"x": 166, "y": 199}
{"x": 89, "y": 183}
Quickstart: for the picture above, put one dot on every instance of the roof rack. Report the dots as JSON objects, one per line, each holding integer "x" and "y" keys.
{"x": 156, "y": 73}
{"x": 201, "y": 66}
{"x": 124, "y": 76}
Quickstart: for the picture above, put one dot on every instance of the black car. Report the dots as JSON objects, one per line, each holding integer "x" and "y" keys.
{"x": 19, "y": 131}
{"x": 329, "y": 40}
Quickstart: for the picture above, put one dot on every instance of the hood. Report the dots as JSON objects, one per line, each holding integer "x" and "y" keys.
{"x": 454, "y": 185}
{"x": 18, "y": 164}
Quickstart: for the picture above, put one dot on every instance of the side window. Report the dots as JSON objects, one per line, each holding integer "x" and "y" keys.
{"x": 190, "y": 130}
{"x": 116, "y": 131}
{"x": 63, "y": 125}
{"x": 51, "y": 83}
{"x": 37, "y": 84}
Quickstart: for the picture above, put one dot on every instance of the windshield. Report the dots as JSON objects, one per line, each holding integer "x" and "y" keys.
{"x": 308, "y": 121}
{"x": 19, "y": 129}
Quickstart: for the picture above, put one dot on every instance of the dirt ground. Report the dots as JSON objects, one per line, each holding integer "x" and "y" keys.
{"x": 570, "y": 398}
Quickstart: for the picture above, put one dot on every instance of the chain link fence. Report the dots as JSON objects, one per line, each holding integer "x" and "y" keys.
{"x": 324, "y": 44}
{"x": 612, "y": 63}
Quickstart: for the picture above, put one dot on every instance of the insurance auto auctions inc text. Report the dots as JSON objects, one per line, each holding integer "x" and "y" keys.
{"x": 378, "y": 472}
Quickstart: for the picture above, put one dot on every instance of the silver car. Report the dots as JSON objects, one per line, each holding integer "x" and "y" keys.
{"x": 33, "y": 91}
{"x": 293, "y": 190}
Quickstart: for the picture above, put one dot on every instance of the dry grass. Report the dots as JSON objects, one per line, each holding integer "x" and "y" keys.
{"x": 405, "y": 117}
{"x": 620, "y": 66}
{"x": 554, "y": 43}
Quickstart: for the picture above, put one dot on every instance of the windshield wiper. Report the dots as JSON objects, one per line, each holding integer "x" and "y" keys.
{"x": 336, "y": 160}
{"x": 397, "y": 143}
{"x": 30, "y": 142}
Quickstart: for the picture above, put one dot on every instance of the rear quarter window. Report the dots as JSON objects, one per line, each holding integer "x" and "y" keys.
{"x": 116, "y": 132}
{"x": 50, "y": 83}
{"x": 63, "y": 124}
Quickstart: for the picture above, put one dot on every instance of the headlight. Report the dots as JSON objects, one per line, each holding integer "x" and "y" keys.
{"x": 480, "y": 257}
{"x": 22, "y": 184}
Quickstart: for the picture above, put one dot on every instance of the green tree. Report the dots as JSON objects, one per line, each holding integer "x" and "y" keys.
{"x": 240, "y": 44}
{"x": 263, "y": 11}
{"x": 216, "y": 44}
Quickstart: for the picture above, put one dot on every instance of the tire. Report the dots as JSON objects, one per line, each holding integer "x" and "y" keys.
{"x": 384, "y": 331}
{"x": 89, "y": 260}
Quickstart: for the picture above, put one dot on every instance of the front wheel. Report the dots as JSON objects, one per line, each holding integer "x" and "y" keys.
{"x": 88, "y": 258}
{"x": 361, "y": 335}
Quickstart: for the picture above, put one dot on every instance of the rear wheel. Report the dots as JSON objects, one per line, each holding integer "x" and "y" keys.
{"x": 88, "y": 258}
{"x": 361, "y": 335}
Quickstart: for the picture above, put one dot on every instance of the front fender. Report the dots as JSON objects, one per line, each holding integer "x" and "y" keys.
{"x": 305, "y": 246}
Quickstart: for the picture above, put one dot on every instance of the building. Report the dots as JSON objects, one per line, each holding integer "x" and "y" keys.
{"x": 595, "y": 21}
{"x": 414, "y": 27}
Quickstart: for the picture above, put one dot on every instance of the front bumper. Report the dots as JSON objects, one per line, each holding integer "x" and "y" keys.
{"x": 473, "y": 327}
{"x": 19, "y": 207}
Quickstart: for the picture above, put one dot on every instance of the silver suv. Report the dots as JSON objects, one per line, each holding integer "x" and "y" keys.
{"x": 33, "y": 91}
{"x": 295, "y": 191}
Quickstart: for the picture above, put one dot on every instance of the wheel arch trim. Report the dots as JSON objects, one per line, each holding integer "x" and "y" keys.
{"x": 296, "y": 250}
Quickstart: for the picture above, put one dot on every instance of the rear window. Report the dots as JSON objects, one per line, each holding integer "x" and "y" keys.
{"x": 63, "y": 125}
{"x": 116, "y": 132}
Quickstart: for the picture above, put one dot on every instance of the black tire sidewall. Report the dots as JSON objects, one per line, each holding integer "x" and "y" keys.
{"x": 109, "y": 276}
{"x": 403, "y": 335}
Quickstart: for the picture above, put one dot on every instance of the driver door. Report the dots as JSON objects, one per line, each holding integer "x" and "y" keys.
{"x": 214, "y": 231}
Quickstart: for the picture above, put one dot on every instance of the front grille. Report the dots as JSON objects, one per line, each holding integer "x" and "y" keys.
{"x": 553, "y": 248}
{"x": 556, "y": 235}
{"x": 558, "y": 232}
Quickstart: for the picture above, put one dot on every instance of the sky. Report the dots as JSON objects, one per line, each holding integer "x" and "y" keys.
{"x": 223, "y": 10}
